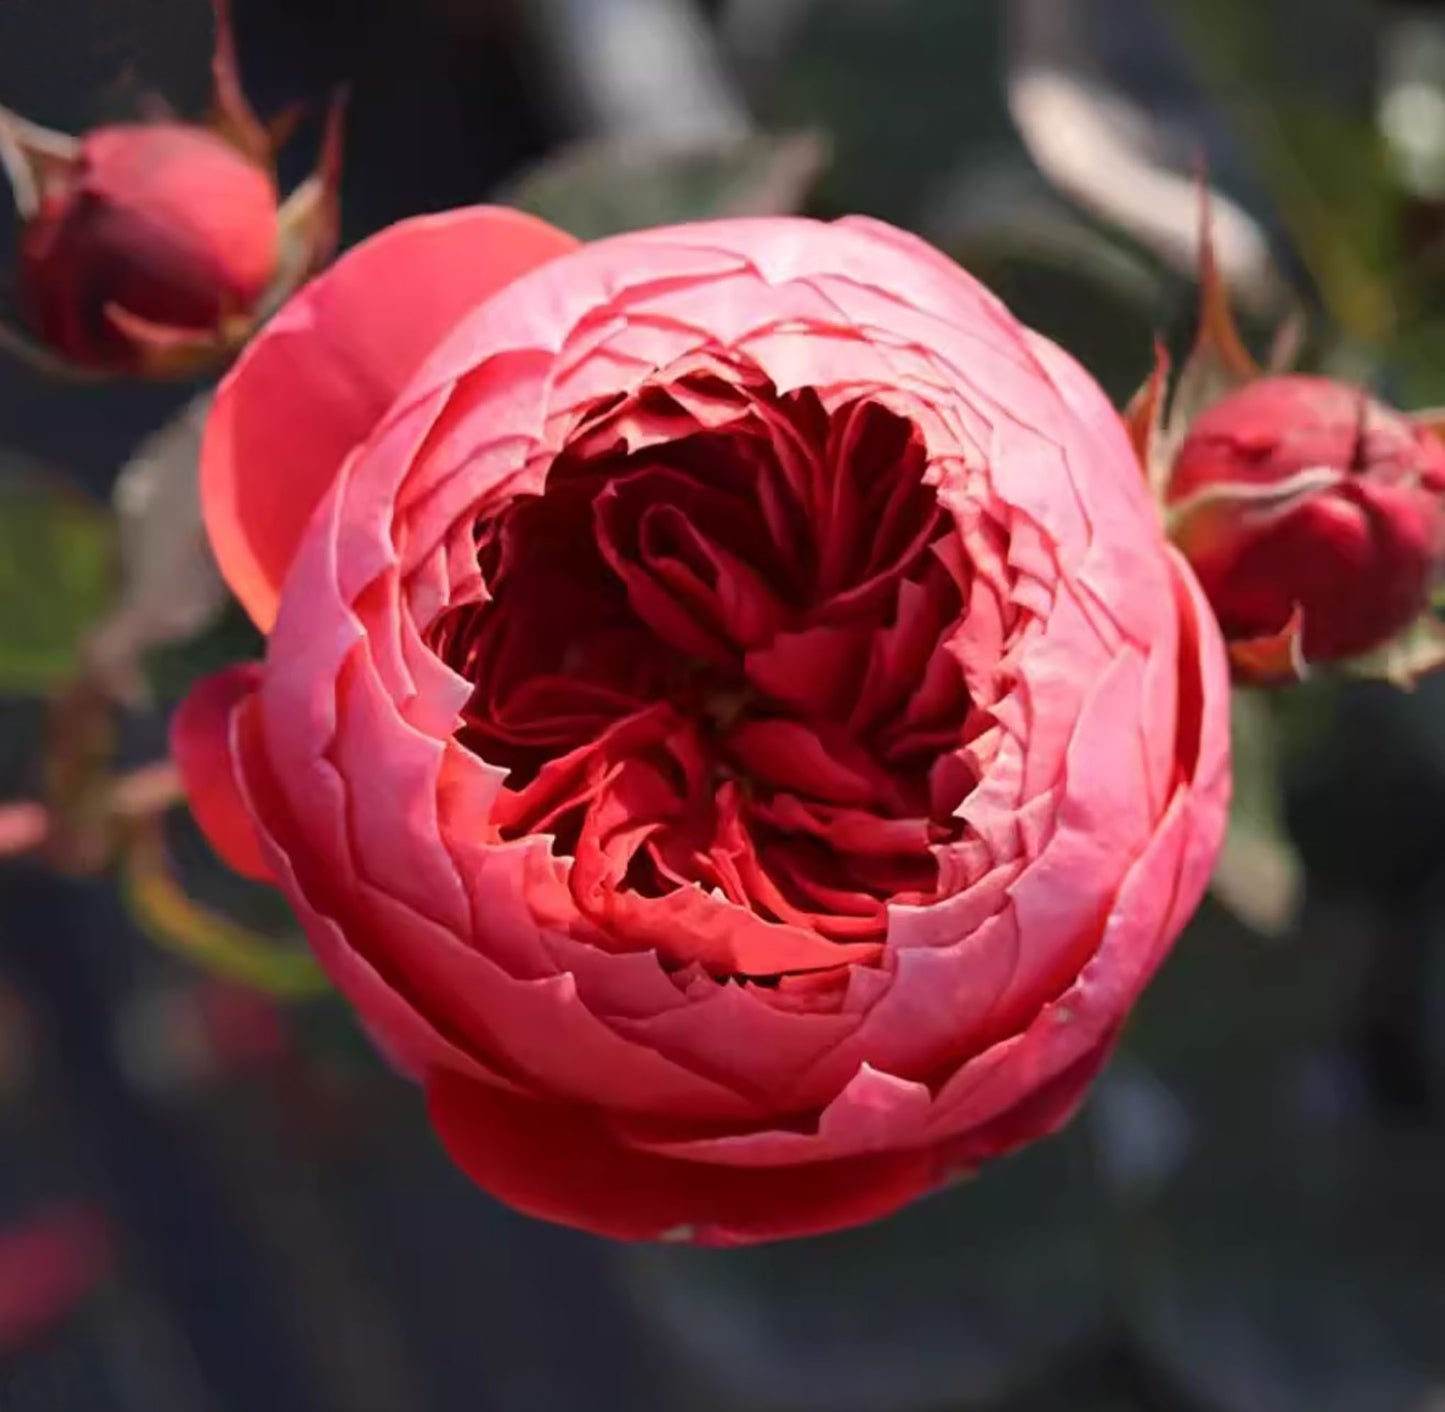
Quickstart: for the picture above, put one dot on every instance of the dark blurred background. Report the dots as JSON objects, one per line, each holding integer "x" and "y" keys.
{"x": 213, "y": 1198}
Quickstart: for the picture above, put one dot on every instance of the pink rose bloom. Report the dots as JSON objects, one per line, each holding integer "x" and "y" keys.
{"x": 731, "y": 722}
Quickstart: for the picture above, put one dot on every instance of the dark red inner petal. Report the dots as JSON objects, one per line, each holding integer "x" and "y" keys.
{"x": 718, "y": 654}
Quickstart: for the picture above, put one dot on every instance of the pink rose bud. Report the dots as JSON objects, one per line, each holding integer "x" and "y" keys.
{"x": 162, "y": 225}
{"x": 1303, "y": 498}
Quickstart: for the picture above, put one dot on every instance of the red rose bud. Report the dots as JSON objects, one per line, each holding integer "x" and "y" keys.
{"x": 157, "y": 248}
{"x": 156, "y": 227}
{"x": 1310, "y": 514}
{"x": 1300, "y": 500}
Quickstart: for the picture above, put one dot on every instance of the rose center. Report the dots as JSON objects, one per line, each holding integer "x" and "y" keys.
{"x": 716, "y": 654}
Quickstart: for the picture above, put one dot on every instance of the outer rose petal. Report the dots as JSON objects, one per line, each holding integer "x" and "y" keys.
{"x": 562, "y": 1164}
{"x": 320, "y": 375}
{"x": 201, "y": 746}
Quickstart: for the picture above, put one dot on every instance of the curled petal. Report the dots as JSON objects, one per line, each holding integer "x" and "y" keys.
{"x": 318, "y": 377}
{"x": 563, "y": 1164}
{"x": 201, "y": 743}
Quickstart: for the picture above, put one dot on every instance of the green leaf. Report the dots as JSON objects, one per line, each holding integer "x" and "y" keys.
{"x": 595, "y": 189}
{"x": 1259, "y": 876}
{"x": 57, "y": 570}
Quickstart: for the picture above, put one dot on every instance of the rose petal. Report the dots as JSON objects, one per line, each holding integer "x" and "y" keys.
{"x": 320, "y": 375}
{"x": 201, "y": 746}
{"x": 562, "y": 1164}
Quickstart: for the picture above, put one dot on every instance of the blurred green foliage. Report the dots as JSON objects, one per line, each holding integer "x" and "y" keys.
{"x": 596, "y": 189}
{"x": 1322, "y": 159}
{"x": 160, "y": 905}
{"x": 905, "y": 90}
{"x": 57, "y": 576}
{"x": 171, "y": 670}
{"x": 1259, "y": 876}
